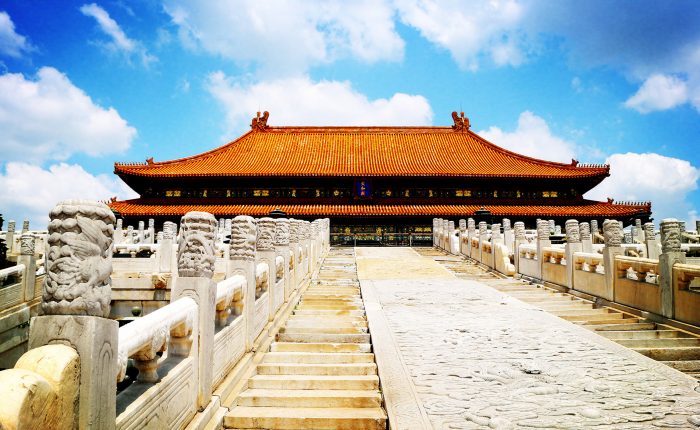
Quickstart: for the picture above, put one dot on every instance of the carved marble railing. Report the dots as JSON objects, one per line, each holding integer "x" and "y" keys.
{"x": 636, "y": 283}
{"x": 229, "y": 340}
{"x": 502, "y": 259}
{"x": 554, "y": 265}
{"x": 615, "y": 269}
{"x": 11, "y": 288}
{"x": 528, "y": 263}
{"x": 170, "y": 361}
{"x": 686, "y": 292}
{"x": 144, "y": 337}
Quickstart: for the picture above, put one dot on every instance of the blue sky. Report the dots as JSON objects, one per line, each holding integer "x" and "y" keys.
{"x": 85, "y": 84}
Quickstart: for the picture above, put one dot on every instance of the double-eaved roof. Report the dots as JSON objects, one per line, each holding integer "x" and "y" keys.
{"x": 366, "y": 152}
{"x": 361, "y": 152}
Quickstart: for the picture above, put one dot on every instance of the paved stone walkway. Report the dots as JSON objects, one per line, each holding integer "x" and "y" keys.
{"x": 476, "y": 358}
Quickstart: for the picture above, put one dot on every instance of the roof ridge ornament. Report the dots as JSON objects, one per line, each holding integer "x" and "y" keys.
{"x": 461, "y": 122}
{"x": 259, "y": 123}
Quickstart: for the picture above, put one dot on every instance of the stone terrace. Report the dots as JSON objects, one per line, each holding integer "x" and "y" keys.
{"x": 476, "y": 358}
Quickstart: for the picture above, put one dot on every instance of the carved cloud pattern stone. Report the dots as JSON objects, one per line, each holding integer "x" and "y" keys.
{"x": 79, "y": 259}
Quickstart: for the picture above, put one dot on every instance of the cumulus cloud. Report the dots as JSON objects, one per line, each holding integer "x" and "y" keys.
{"x": 288, "y": 37}
{"x": 50, "y": 118}
{"x": 659, "y": 92}
{"x": 119, "y": 41}
{"x": 30, "y": 191}
{"x": 665, "y": 181}
{"x": 532, "y": 137}
{"x": 469, "y": 32}
{"x": 11, "y": 43}
{"x": 300, "y": 101}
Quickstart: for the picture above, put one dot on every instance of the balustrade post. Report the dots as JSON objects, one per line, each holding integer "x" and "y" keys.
{"x": 520, "y": 239}
{"x": 595, "y": 231}
{"x": 435, "y": 232}
{"x": 586, "y": 240}
{"x": 195, "y": 266}
{"x": 294, "y": 233}
{"x": 483, "y": 238}
{"x": 651, "y": 242}
{"x": 508, "y": 235}
{"x": 129, "y": 234}
{"x": 462, "y": 235}
{"x": 544, "y": 229}
{"x": 450, "y": 235}
{"x": 670, "y": 254}
{"x": 118, "y": 232}
{"x": 141, "y": 233}
{"x": 75, "y": 309}
{"x": 26, "y": 257}
{"x": 266, "y": 254}
{"x": 10, "y": 237}
{"x": 306, "y": 240}
{"x": 445, "y": 235}
{"x": 471, "y": 232}
{"x": 151, "y": 231}
{"x": 573, "y": 244}
{"x": 165, "y": 248}
{"x": 242, "y": 262}
{"x": 612, "y": 234}
{"x": 282, "y": 250}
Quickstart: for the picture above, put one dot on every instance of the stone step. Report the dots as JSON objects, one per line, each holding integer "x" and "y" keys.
{"x": 247, "y": 417}
{"x": 318, "y": 357}
{"x": 671, "y": 354}
{"x": 581, "y": 312}
{"x": 574, "y": 304}
{"x": 603, "y": 318}
{"x": 331, "y": 323}
{"x": 311, "y": 398}
{"x": 319, "y": 347}
{"x": 690, "y": 366}
{"x": 323, "y": 338}
{"x": 643, "y": 334}
{"x": 329, "y": 307}
{"x": 315, "y": 382}
{"x": 317, "y": 369}
{"x": 323, "y": 329}
{"x": 331, "y": 319}
{"x": 604, "y": 321}
{"x": 542, "y": 298}
{"x": 623, "y": 325}
{"x": 331, "y": 298}
{"x": 659, "y": 343}
{"x": 325, "y": 313}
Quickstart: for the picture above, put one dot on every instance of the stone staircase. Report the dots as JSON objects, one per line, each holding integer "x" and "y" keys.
{"x": 320, "y": 373}
{"x": 672, "y": 346}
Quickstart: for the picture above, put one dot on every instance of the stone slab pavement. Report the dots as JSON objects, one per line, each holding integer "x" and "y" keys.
{"x": 457, "y": 354}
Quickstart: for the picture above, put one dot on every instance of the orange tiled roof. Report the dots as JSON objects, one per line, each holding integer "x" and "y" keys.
{"x": 587, "y": 209}
{"x": 360, "y": 151}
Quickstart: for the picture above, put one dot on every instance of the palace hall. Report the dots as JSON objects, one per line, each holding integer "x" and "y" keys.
{"x": 382, "y": 184}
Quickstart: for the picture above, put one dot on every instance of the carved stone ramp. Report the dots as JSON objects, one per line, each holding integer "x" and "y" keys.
{"x": 669, "y": 345}
{"x": 320, "y": 373}
{"x": 476, "y": 358}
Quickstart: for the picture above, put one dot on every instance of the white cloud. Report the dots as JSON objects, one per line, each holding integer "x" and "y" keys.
{"x": 470, "y": 31}
{"x": 29, "y": 191}
{"x": 120, "y": 42}
{"x": 533, "y": 138}
{"x": 659, "y": 92}
{"x": 300, "y": 101}
{"x": 11, "y": 43}
{"x": 664, "y": 181}
{"x": 290, "y": 36}
{"x": 50, "y": 118}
